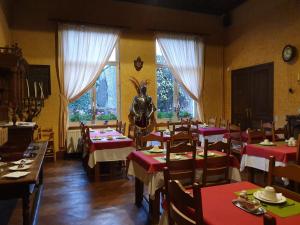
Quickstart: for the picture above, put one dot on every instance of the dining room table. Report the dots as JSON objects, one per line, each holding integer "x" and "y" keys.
{"x": 257, "y": 156}
{"x": 147, "y": 168}
{"x": 212, "y": 134}
{"x": 218, "y": 207}
{"x": 108, "y": 145}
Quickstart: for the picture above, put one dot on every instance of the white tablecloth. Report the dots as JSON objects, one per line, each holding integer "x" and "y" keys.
{"x": 211, "y": 138}
{"x": 257, "y": 162}
{"x": 116, "y": 154}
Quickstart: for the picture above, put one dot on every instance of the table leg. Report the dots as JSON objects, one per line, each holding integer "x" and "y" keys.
{"x": 250, "y": 172}
{"x": 97, "y": 172}
{"x": 154, "y": 207}
{"x": 139, "y": 191}
{"x": 26, "y": 208}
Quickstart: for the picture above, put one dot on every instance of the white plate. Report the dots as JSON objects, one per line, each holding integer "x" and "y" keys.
{"x": 121, "y": 137}
{"x": 16, "y": 174}
{"x": 208, "y": 154}
{"x": 267, "y": 144}
{"x": 155, "y": 150}
{"x": 16, "y": 168}
{"x": 27, "y": 161}
{"x": 259, "y": 196}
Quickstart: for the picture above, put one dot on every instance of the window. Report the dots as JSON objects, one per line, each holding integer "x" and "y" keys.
{"x": 170, "y": 94}
{"x": 101, "y": 101}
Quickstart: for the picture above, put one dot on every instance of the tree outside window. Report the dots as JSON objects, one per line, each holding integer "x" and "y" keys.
{"x": 170, "y": 94}
{"x": 100, "y": 103}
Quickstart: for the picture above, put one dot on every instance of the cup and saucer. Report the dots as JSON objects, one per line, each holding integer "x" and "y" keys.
{"x": 269, "y": 195}
{"x": 291, "y": 142}
{"x": 267, "y": 143}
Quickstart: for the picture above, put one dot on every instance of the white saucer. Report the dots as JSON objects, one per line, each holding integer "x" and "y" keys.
{"x": 27, "y": 161}
{"x": 259, "y": 196}
{"x": 16, "y": 168}
{"x": 267, "y": 144}
{"x": 16, "y": 174}
{"x": 155, "y": 150}
{"x": 208, "y": 154}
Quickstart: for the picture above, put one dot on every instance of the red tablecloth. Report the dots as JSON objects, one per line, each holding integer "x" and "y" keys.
{"x": 219, "y": 210}
{"x": 151, "y": 165}
{"x": 281, "y": 151}
{"x": 207, "y": 131}
{"x": 108, "y": 144}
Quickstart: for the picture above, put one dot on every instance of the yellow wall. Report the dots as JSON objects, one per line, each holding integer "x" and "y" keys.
{"x": 35, "y": 34}
{"x": 4, "y": 30}
{"x": 259, "y": 32}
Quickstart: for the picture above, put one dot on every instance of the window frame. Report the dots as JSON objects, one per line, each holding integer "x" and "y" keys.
{"x": 94, "y": 121}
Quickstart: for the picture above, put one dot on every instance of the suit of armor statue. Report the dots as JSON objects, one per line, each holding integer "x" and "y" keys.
{"x": 142, "y": 108}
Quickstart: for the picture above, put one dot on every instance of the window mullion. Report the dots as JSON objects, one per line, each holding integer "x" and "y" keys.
{"x": 94, "y": 104}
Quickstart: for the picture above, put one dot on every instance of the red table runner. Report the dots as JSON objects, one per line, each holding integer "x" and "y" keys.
{"x": 219, "y": 210}
{"x": 207, "y": 131}
{"x": 108, "y": 144}
{"x": 151, "y": 165}
{"x": 281, "y": 151}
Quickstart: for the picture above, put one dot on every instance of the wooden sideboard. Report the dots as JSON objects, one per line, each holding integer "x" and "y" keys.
{"x": 26, "y": 186}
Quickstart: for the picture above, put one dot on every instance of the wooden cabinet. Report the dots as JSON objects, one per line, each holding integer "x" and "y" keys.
{"x": 13, "y": 68}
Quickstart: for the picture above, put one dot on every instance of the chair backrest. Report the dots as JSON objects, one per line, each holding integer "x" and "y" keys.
{"x": 298, "y": 151}
{"x": 234, "y": 128}
{"x": 181, "y": 169}
{"x": 212, "y": 122}
{"x": 290, "y": 171}
{"x": 255, "y": 136}
{"x": 279, "y": 134}
{"x": 269, "y": 220}
{"x": 184, "y": 125}
{"x": 216, "y": 169}
{"x": 183, "y": 136}
{"x": 151, "y": 138}
{"x": 131, "y": 131}
{"x": 123, "y": 128}
{"x": 162, "y": 126}
{"x": 184, "y": 208}
{"x": 45, "y": 134}
{"x": 224, "y": 123}
{"x": 119, "y": 126}
{"x": 267, "y": 128}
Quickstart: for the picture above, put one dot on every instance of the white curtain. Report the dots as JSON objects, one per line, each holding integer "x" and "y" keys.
{"x": 83, "y": 52}
{"x": 184, "y": 57}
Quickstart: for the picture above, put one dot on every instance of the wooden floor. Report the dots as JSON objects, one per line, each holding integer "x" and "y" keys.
{"x": 69, "y": 198}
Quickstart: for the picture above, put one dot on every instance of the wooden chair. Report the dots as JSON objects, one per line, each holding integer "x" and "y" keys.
{"x": 255, "y": 136}
{"x": 290, "y": 171}
{"x": 212, "y": 122}
{"x": 183, "y": 136}
{"x": 183, "y": 169}
{"x": 184, "y": 125}
{"x": 269, "y": 220}
{"x": 267, "y": 128}
{"x": 279, "y": 134}
{"x": 224, "y": 124}
{"x": 151, "y": 138}
{"x": 47, "y": 134}
{"x": 216, "y": 169}
{"x": 236, "y": 143}
{"x": 162, "y": 126}
{"x": 119, "y": 126}
{"x": 298, "y": 151}
{"x": 194, "y": 130}
{"x": 182, "y": 207}
{"x": 123, "y": 128}
{"x": 131, "y": 131}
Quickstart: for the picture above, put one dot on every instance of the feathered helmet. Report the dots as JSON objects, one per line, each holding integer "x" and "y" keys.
{"x": 138, "y": 85}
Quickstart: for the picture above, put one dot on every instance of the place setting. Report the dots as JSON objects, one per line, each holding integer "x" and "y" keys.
{"x": 259, "y": 201}
{"x": 19, "y": 168}
{"x": 267, "y": 142}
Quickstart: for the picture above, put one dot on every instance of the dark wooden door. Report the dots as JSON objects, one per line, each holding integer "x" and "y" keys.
{"x": 252, "y": 95}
